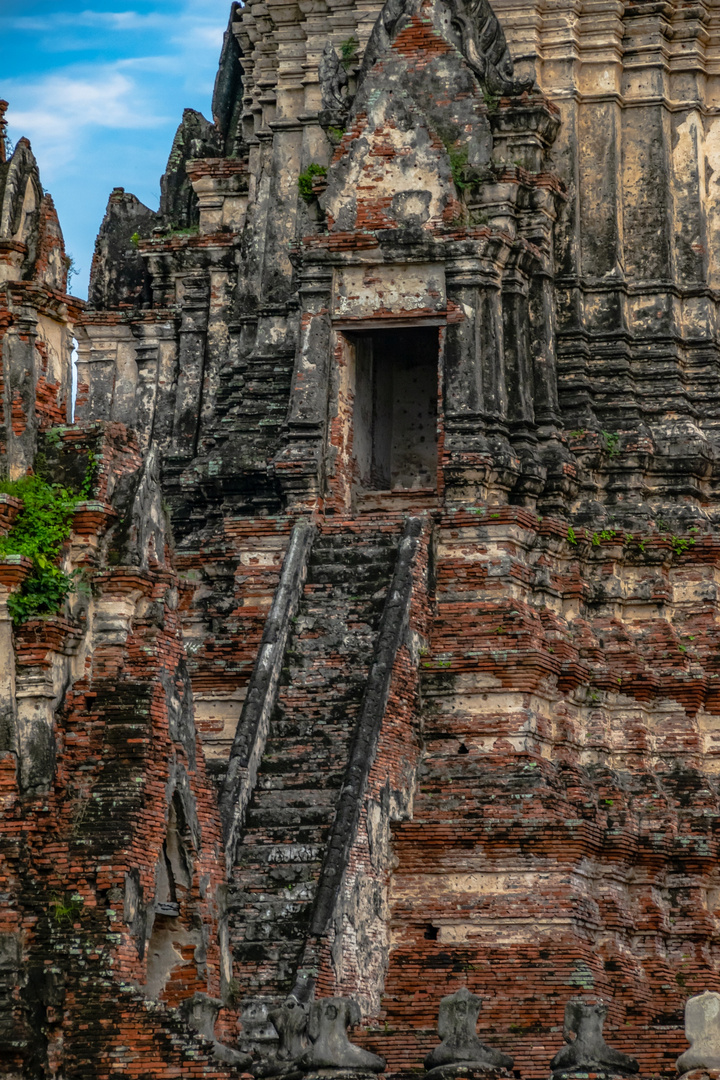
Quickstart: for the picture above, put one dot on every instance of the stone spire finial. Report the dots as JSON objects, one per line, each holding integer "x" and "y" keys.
{"x": 587, "y": 1051}
{"x": 702, "y": 1031}
{"x": 460, "y": 1046}
{"x": 3, "y": 131}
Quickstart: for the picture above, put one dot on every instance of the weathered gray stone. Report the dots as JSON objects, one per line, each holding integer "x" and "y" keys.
{"x": 329, "y": 1020}
{"x": 118, "y": 274}
{"x": 457, "y": 1023}
{"x": 196, "y": 137}
{"x": 588, "y": 1051}
{"x": 290, "y": 1021}
{"x": 702, "y": 1030}
{"x": 200, "y": 1013}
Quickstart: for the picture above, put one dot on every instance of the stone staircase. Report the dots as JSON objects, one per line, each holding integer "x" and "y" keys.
{"x": 292, "y": 808}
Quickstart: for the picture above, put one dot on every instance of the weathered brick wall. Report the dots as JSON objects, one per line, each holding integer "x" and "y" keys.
{"x": 226, "y": 588}
{"x": 85, "y": 858}
{"x": 540, "y": 815}
{"x": 564, "y": 826}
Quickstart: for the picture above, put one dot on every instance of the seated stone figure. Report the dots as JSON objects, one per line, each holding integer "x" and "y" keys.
{"x": 702, "y": 1030}
{"x": 588, "y": 1051}
{"x": 331, "y": 1048}
{"x": 290, "y": 1020}
{"x": 460, "y": 1045}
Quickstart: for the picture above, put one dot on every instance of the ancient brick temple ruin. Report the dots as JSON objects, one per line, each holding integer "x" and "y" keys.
{"x": 383, "y": 688}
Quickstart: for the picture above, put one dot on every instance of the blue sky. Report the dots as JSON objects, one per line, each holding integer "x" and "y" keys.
{"x": 99, "y": 88}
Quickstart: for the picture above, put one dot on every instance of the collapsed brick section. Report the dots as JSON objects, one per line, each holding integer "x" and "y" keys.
{"x": 113, "y": 880}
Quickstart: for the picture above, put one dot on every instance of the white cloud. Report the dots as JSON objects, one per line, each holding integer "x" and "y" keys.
{"x": 103, "y": 93}
{"x": 58, "y": 110}
{"x": 177, "y": 26}
{"x": 109, "y": 20}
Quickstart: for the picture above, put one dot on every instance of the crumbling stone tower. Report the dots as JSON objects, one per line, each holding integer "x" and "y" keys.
{"x": 406, "y": 400}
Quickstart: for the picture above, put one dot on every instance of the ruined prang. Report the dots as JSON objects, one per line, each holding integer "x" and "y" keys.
{"x": 366, "y": 647}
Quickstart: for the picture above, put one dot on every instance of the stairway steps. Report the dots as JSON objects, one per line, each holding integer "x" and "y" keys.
{"x": 288, "y": 822}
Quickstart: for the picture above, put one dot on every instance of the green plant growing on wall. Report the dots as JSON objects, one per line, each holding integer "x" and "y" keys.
{"x": 70, "y": 267}
{"x": 572, "y": 538}
{"x": 305, "y": 180}
{"x": 459, "y": 165}
{"x": 348, "y": 52}
{"x": 680, "y": 544}
{"x": 135, "y": 239}
{"x": 66, "y": 908}
{"x": 187, "y": 230}
{"x": 603, "y": 534}
{"x": 612, "y": 443}
{"x": 42, "y": 527}
{"x": 53, "y": 437}
{"x": 492, "y": 101}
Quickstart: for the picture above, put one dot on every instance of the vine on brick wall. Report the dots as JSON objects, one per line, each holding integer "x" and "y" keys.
{"x": 42, "y": 527}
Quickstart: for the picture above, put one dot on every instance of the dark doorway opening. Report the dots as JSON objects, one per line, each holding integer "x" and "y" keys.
{"x": 396, "y": 408}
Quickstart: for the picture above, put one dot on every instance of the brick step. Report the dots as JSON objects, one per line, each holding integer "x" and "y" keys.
{"x": 278, "y": 925}
{"x": 312, "y": 622}
{"x": 329, "y": 782}
{"x": 294, "y": 751}
{"x": 284, "y": 833}
{"x": 310, "y": 648}
{"x": 341, "y": 574}
{"x": 275, "y": 856}
{"x": 323, "y": 715}
{"x": 312, "y": 797}
{"x": 257, "y": 871}
{"x": 282, "y": 836}
{"x": 278, "y": 764}
{"x": 353, "y": 558}
{"x": 282, "y": 815}
{"x": 331, "y": 664}
{"x": 254, "y": 894}
{"x": 291, "y": 729}
{"x": 331, "y": 538}
{"x": 342, "y": 590}
{"x": 293, "y": 806}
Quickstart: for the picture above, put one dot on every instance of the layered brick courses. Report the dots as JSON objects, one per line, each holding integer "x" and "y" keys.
{"x": 539, "y": 818}
{"x": 563, "y": 834}
{"x": 84, "y": 857}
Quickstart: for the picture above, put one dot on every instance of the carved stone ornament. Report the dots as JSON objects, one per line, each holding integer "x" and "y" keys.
{"x": 457, "y": 1023}
{"x": 702, "y": 1031}
{"x": 485, "y": 48}
{"x": 333, "y": 81}
{"x": 586, "y": 1049}
{"x": 329, "y": 1020}
{"x": 290, "y": 1020}
{"x": 482, "y": 42}
{"x": 200, "y": 1013}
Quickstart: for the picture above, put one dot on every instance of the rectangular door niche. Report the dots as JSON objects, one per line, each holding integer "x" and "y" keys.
{"x": 395, "y": 408}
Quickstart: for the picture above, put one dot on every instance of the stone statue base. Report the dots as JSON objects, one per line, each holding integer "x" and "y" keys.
{"x": 589, "y": 1074}
{"x": 275, "y": 1070}
{"x": 473, "y": 1070}
{"x": 339, "y": 1074}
